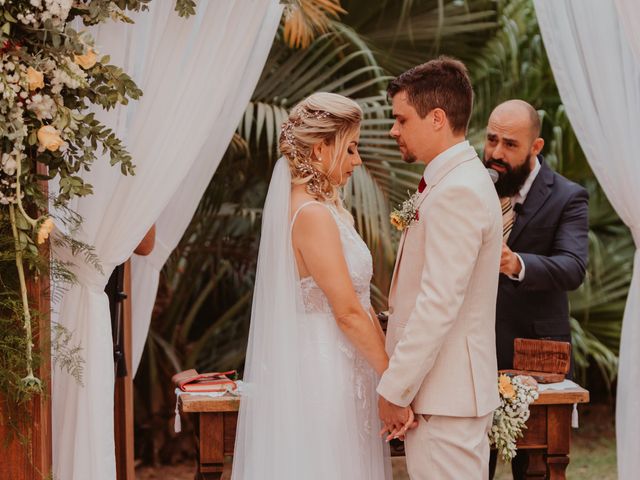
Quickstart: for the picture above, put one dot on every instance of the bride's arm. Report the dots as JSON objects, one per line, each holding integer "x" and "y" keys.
{"x": 317, "y": 240}
{"x": 376, "y": 323}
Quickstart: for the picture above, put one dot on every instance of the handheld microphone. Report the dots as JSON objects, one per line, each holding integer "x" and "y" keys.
{"x": 493, "y": 174}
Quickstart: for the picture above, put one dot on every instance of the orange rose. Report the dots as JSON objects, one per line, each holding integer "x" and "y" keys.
{"x": 396, "y": 221}
{"x": 49, "y": 138}
{"x": 86, "y": 61}
{"x": 505, "y": 387}
{"x": 35, "y": 78}
{"x": 45, "y": 229}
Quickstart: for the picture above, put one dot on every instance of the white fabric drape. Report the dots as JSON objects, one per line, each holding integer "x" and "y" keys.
{"x": 629, "y": 15}
{"x": 599, "y": 82}
{"x": 197, "y": 75}
{"x": 176, "y": 216}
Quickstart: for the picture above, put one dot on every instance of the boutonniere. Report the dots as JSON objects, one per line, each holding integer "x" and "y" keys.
{"x": 406, "y": 214}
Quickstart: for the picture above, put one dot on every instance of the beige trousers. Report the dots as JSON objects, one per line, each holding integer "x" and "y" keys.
{"x": 449, "y": 448}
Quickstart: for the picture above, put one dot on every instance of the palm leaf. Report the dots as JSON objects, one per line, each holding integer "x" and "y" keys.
{"x": 304, "y": 19}
{"x": 407, "y": 33}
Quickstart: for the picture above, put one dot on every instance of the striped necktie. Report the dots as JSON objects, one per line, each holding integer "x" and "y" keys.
{"x": 508, "y": 217}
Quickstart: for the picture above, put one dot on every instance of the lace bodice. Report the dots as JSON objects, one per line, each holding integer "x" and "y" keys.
{"x": 359, "y": 262}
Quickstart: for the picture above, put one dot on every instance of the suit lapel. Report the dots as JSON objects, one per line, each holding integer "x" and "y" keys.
{"x": 405, "y": 232}
{"x": 394, "y": 277}
{"x": 537, "y": 196}
{"x": 466, "y": 155}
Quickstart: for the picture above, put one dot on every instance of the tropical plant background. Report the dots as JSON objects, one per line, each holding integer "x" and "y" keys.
{"x": 353, "y": 47}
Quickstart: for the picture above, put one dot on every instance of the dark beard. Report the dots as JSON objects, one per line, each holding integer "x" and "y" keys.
{"x": 409, "y": 158}
{"x": 510, "y": 182}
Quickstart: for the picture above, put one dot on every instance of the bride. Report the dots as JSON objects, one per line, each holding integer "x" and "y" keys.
{"x": 315, "y": 352}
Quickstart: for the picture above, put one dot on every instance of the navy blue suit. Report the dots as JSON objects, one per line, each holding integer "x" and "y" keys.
{"x": 551, "y": 236}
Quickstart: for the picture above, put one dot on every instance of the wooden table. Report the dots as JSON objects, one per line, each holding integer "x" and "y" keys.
{"x": 547, "y": 437}
{"x": 215, "y": 431}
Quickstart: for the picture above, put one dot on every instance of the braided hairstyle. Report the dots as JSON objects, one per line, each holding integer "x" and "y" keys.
{"x": 321, "y": 117}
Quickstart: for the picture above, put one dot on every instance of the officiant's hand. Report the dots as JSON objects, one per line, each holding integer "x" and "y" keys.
{"x": 397, "y": 420}
{"x": 509, "y": 263}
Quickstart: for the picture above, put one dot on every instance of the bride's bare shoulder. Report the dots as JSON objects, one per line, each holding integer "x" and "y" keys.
{"x": 303, "y": 204}
{"x": 310, "y": 217}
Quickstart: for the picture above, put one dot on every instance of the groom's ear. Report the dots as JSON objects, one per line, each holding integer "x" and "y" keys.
{"x": 438, "y": 118}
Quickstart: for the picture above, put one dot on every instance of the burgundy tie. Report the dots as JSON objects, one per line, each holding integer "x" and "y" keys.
{"x": 422, "y": 185}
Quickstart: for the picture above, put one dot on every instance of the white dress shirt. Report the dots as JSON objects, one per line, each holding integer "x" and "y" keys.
{"x": 520, "y": 197}
{"x": 434, "y": 165}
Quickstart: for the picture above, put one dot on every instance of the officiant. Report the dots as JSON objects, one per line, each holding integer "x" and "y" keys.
{"x": 545, "y": 237}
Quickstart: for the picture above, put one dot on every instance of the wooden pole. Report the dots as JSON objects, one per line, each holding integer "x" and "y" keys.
{"x": 32, "y": 461}
{"x": 123, "y": 401}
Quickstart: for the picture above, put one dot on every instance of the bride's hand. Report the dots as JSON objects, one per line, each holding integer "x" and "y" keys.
{"x": 412, "y": 422}
{"x": 400, "y": 432}
{"x": 410, "y": 425}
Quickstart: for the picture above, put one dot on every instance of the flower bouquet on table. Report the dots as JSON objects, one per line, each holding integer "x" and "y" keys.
{"x": 516, "y": 394}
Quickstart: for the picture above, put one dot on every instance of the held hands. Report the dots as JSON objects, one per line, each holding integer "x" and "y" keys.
{"x": 509, "y": 263}
{"x": 396, "y": 420}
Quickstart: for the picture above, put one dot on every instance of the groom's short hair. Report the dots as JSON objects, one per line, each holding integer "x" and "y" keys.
{"x": 440, "y": 83}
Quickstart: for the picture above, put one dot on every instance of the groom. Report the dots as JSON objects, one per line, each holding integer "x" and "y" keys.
{"x": 442, "y": 302}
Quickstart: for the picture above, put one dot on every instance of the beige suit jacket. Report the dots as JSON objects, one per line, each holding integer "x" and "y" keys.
{"x": 442, "y": 302}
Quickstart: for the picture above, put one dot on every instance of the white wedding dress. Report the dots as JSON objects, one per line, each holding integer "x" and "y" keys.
{"x": 320, "y": 420}
{"x": 340, "y": 381}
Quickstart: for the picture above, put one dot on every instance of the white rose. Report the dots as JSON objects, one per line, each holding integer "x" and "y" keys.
{"x": 9, "y": 164}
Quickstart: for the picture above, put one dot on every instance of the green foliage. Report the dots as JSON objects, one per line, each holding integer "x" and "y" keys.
{"x": 13, "y": 365}
{"x": 185, "y": 8}
{"x": 93, "y": 12}
{"x": 50, "y": 76}
{"x": 598, "y": 305}
{"x": 67, "y": 356}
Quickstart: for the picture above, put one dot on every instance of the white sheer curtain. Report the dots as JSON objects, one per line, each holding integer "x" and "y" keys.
{"x": 599, "y": 82}
{"x": 629, "y": 15}
{"x": 176, "y": 216}
{"x": 194, "y": 73}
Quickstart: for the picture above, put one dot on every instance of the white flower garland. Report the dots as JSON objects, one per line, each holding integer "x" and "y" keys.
{"x": 516, "y": 394}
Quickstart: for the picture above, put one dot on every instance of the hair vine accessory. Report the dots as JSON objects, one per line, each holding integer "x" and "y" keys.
{"x": 314, "y": 185}
{"x": 318, "y": 181}
{"x": 288, "y": 126}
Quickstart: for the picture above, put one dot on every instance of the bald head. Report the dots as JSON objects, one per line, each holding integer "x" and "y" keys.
{"x": 520, "y": 113}
{"x": 512, "y": 144}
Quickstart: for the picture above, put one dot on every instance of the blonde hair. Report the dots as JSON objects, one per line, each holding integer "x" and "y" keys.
{"x": 321, "y": 117}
